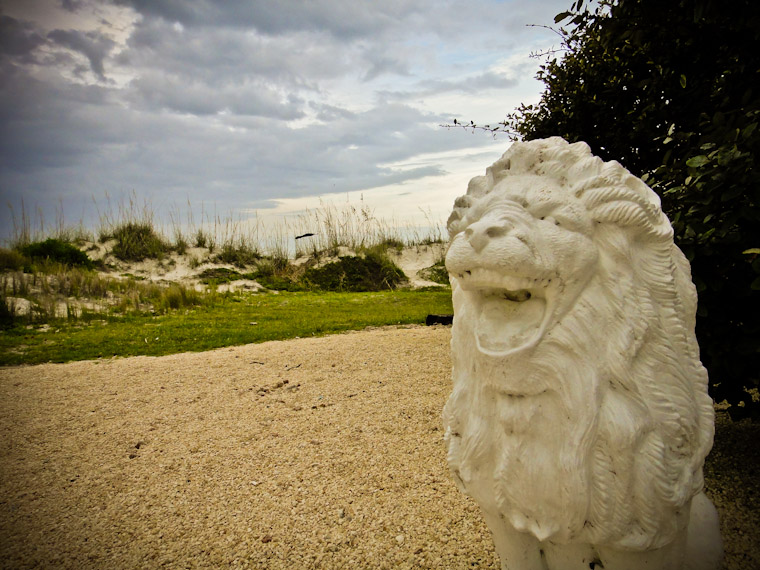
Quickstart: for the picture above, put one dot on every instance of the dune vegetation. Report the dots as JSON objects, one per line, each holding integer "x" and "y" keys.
{"x": 73, "y": 293}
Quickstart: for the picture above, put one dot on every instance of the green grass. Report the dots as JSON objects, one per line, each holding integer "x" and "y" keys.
{"x": 227, "y": 323}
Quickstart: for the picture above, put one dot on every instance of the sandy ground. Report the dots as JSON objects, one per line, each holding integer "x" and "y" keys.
{"x": 309, "y": 453}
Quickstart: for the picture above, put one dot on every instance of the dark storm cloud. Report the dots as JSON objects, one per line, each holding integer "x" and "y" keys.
{"x": 18, "y": 39}
{"x": 94, "y": 46}
{"x": 44, "y": 125}
{"x": 72, "y": 5}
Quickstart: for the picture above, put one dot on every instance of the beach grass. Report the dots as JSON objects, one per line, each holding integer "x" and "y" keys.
{"x": 141, "y": 230}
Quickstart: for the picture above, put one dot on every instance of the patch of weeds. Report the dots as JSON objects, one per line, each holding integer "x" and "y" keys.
{"x": 7, "y": 312}
{"x": 202, "y": 239}
{"x": 180, "y": 244}
{"x": 11, "y": 259}
{"x": 135, "y": 277}
{"x": 372, "y": 272}
{"x": 391, "y": 243}
{"x": 17, "y": 283}
{"x": 276, "y": 274}
{"x": 382, "y": 248}
{"x": 136, "y": 241}
{"x": 239, "y": 255}
{"x": 177, "y": 296}
{"x": 280, "y": 283}
{"x": 430, "y": 289}
{"x": 436, "y": 239}
{"x": 274, "y": 266}
{"x": 280, "y": 263}
{"x": 57, "y": 251}
{"x": 217, "y": 275}
{"x": 436, "y": 273}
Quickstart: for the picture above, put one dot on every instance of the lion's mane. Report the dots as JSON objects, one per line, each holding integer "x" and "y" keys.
{"x": 625, "y": 359}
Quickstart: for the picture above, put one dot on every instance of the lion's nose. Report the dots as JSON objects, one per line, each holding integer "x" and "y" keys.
{"x": 480, "y": 233}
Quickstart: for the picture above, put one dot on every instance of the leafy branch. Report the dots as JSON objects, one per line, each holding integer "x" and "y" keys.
{"x": 504, "y": 127}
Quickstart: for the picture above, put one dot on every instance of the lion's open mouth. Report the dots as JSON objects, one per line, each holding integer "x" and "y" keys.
{"x": 510, "y": 313}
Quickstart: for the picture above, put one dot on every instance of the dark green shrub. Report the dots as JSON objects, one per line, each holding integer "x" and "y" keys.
{"x": 216, "y": 275}
{"x": 436, "y": 273}
{"x": 136, "y": 241}
{"x": 57, "y": 251}
{"x": 279, "y": 283}
{"x": 11, "y": 259}
{"x": 7, "y": 313}
{"x": 373, "y": 272}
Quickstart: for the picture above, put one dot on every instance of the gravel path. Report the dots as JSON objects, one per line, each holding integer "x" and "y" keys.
{"x": 311, "y": 453}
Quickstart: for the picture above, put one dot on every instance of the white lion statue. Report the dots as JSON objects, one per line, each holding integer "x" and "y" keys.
{"x": 579, "y": 418}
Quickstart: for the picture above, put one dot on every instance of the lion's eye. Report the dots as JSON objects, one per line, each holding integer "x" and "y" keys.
{"x": 551, "y": 219}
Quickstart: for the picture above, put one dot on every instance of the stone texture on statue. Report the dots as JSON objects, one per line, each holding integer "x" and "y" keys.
{"x": 579, "y": 418}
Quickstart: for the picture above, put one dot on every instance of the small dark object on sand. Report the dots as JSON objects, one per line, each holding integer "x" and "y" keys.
{"x": 439, "y": 320}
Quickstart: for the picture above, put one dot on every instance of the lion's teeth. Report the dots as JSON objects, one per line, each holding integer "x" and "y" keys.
{"x": 492, "y": 279}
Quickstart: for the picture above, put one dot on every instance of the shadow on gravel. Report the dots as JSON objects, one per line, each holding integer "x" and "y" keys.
{"x": 732, "y": 480}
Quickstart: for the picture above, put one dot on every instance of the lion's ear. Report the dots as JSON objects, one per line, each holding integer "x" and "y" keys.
{"x": 630, "y": 215}
{"x": 622, "y": 213}
{"x": 479, "y": 186}
{"x": 625, "y": 202}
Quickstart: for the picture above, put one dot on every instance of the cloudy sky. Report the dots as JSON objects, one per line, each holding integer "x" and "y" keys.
{"x": 264, "y": 106}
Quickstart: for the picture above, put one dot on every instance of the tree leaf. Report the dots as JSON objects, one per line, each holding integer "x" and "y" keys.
{"x": 697, "y": 161}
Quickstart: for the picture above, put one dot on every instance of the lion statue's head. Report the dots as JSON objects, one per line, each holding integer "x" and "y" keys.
{"x": 579, "y": 409}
